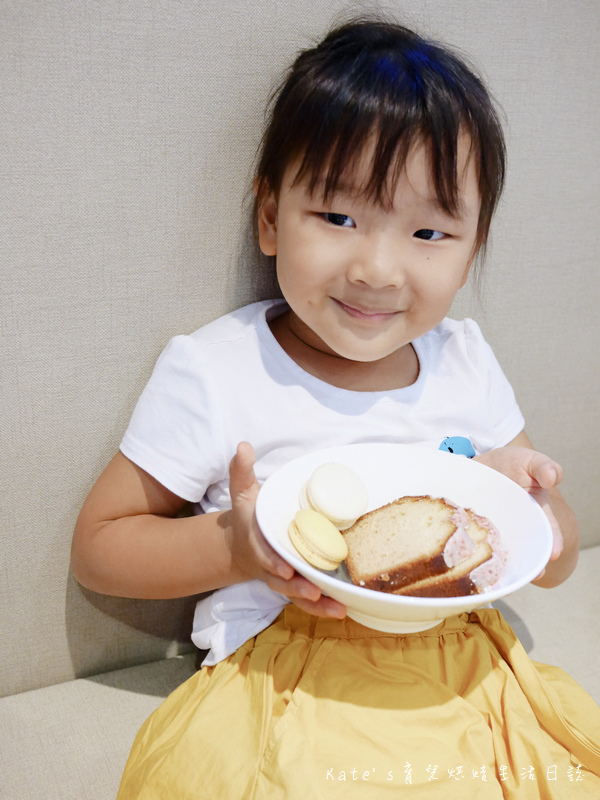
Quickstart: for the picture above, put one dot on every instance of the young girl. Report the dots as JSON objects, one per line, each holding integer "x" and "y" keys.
{"x": 379, "y": 174}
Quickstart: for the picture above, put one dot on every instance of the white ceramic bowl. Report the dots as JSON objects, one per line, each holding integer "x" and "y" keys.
{"x": 395, "y": 470}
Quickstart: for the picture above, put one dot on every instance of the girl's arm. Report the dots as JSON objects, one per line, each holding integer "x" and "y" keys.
{"x": 540, "y": 476}
{"x": 129, "y": 542}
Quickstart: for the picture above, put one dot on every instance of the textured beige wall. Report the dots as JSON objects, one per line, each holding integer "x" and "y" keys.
{"x": 127, "y": 132}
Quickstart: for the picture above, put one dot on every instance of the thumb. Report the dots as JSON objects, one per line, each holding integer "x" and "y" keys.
{"x": 546, "y": 472}
{"x": 241, "y": 470}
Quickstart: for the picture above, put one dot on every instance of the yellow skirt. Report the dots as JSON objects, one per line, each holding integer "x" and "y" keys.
{"x": 314, "y": 708}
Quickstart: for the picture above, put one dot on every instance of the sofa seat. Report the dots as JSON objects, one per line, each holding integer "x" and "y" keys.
{"x": 560, "y": 626}
{"x": 70, "y": 741}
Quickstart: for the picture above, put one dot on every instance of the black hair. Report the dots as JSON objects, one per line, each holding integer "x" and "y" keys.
{"x": 376, "y": 82}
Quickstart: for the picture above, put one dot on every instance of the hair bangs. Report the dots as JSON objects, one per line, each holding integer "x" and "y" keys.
{"x": 368, "y": 160}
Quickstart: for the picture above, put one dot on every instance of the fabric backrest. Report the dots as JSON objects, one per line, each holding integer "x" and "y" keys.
{"x": 127, "y": 137}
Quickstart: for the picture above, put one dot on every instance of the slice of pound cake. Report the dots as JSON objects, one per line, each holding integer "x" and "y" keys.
{"x": 423, "y": 546}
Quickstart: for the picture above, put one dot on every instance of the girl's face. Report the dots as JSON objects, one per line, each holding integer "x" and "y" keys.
{"x": 363, "y": 282}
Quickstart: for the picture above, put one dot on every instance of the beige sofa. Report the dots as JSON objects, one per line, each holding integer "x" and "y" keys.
{"x": 127, "y": 132}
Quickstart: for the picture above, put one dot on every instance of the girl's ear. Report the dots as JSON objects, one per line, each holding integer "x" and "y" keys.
{"x": 267, "y": 224}
{"x": 466, "y": 273}
{"x": 468, "y": 268}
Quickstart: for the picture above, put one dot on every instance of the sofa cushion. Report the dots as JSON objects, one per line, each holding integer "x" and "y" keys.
{"x": 560, "y": 626}
{"x": 70, "y": 741}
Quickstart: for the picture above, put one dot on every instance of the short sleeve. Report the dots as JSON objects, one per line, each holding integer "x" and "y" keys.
{"x": 175, "y": 432}
{"x": 504, "y": 414}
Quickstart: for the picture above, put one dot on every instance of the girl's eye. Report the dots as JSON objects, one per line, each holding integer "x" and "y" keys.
{"x": 429, "y": 235}
{"x": 340, "y": 220}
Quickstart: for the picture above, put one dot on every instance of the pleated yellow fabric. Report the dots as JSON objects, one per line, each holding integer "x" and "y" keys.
{"x": 314, "y": 708}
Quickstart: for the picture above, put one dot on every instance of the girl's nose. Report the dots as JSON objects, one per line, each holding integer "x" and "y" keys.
{"x": 379, "y": 264}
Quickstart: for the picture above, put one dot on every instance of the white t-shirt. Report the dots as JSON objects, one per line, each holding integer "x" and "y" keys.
{"x": 231, "y": 381}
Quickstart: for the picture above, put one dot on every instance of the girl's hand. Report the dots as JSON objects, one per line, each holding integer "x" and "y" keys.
{"x": 251, "y": 552}
{"x": 535, "y": 472}
{"x": 540, "y": 476}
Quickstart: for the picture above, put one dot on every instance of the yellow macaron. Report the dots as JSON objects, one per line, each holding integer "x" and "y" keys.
{"x": 317, "y": 539}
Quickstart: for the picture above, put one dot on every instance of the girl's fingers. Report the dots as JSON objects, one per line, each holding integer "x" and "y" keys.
{"x": 544, "y": 471}
{"x": 295, "y": 587}
{"x": 557, "y": 543}
{"x": 241, "y": 471}
{"x": 273, "y": 564}
{"x": 542, "y": 497}
{"x": 308, "y": 597}
{"x": 252, "y": 547}
{"x": 324, "y": 607}
{"x": 278, "y": 574}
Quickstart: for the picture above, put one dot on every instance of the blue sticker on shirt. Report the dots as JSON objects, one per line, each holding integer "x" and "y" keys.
{"x": 459, "y": 445}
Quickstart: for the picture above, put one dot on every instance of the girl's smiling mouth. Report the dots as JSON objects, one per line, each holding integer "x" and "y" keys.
{"x": 366, "y": 314}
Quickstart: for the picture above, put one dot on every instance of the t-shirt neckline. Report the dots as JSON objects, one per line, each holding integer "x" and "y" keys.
{"x": 264, "y": 331}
